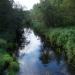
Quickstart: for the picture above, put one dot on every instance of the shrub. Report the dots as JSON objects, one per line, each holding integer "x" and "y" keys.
{"x": 13, "y": 66}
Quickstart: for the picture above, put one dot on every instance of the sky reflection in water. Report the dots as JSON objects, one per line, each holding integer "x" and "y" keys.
{"x": 30, "y": 64}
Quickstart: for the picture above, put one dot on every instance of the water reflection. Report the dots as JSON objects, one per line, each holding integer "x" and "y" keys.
{"x": 46, "y": 55}
{"x": 35, "y": 59}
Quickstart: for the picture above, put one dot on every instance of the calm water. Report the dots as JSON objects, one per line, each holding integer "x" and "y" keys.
{"x": 36, "y": 60}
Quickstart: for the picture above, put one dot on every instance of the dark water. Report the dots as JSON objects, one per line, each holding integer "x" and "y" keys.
{"x": 35, "y": 59}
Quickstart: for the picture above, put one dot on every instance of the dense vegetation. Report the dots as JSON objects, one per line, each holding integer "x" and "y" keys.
{"x": 12, "y": 21}
{"x": 54, "y": 19}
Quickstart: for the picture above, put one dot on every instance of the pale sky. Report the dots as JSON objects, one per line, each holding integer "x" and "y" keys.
{"x": 27, "y": 3}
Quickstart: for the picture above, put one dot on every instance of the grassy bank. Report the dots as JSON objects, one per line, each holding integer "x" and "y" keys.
{"x": 62, "y": 37}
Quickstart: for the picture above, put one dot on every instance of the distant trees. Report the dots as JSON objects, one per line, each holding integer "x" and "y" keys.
{"x": 54, "y": 13}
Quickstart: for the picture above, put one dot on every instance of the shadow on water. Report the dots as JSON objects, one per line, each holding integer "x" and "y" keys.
{"x": 38, "y": 58}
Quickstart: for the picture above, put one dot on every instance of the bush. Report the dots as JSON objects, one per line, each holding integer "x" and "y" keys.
{"x": 12, "y": 67}
{"x": 4, "y": 57}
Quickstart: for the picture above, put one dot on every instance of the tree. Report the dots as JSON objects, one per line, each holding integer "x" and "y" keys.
{"x": 13, "y": 19}
{"x": 54, "y": 13}
{"x": 68, "y": 8}
{"x": 48, "y": 13}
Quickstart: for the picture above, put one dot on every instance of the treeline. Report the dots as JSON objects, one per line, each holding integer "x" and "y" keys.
{"x": 13, "y": 19}
{"x": 54, "y": 13}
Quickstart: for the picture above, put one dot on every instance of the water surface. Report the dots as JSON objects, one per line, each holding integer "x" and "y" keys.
{"x": 35, "y": 59}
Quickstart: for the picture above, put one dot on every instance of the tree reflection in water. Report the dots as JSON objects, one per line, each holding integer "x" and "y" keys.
{"x": 46, "y": 55}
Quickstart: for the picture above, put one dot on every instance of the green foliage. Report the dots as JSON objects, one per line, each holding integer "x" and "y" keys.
{"x": 4, "y": 57}
{"x": 12, "y": 21}
{"x": 13, "y": 68}
{"x": 7, "y": 60}
{"x": 54, "y": 13}
{"x": 64, "y": 37}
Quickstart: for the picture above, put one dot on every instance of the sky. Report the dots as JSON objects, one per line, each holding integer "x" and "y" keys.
{"x": 28, "y": 4}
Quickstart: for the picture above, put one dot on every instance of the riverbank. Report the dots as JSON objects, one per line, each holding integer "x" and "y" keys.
{"x": 61, "y": 37}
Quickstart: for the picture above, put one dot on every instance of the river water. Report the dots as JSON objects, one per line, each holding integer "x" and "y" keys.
{"x": 35, "y": 59}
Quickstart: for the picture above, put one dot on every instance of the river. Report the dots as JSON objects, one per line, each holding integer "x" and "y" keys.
{"x": 35, "y": 59}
